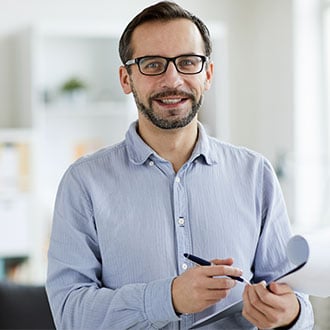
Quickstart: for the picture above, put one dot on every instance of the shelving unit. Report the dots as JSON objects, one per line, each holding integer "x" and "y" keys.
{"x": 63, "y": 127}
{"x": 15, "y": 198}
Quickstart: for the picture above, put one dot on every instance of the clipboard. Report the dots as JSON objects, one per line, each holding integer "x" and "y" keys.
{"x": 237, "y": 306}
{"x": 234, "y": 308}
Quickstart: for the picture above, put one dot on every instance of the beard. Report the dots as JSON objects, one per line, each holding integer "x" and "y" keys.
{"x": 161, "y": 122}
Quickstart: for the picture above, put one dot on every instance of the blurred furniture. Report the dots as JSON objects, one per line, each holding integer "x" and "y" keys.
{"x": 24, "y": 307}
{"x": 321, "y": 307}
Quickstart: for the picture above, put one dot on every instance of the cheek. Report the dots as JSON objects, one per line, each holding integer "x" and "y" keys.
{"x": 141, "y": 95}
{"x": 200, "y": 85}
{"x": 143, "y": 89}
{"x": 200, "y": 88}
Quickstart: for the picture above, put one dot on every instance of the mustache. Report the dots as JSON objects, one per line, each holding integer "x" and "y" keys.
{"x": 173, "y": 92}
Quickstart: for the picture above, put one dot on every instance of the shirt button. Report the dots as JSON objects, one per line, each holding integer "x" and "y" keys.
{"x": 151, "y": 163}
{"x": 177, "y": 179}
{"x": 181, "y": 221}
{"x": 184, "y": 266}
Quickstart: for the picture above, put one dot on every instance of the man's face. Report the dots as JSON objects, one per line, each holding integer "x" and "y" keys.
{"x": 172, "y": 99}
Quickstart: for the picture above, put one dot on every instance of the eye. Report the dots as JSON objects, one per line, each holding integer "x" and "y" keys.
{"x": 189, "y": 64}
{"x": 152, "y": 65}
{"x": 186, "y": 62}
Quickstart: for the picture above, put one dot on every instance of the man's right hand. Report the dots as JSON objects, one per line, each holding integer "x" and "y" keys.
{"x": 200, "y": 287}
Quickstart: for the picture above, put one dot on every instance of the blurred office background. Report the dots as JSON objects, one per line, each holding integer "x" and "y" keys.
{"x": 60, "y": 98}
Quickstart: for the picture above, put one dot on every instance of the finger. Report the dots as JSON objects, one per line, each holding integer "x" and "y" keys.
{"x": 255, "y": 309}
{"x": 203, "y": 281}
{"x": 223, "y": 283}
{"x": 217, "y": 295}
{"x": 266, "y": 309}
{"x": 280, "y": 288}
{"x": 208, "y": 279}
{"x": 222, "y": 270}
{"x": 228, "y": 261}
{"x": 265, "y": 297}
{"x": 271, "y": 299}
{"x": 216, "y": 289}
{"x": 250, "y": 312}
{"x": 260, "y": 298}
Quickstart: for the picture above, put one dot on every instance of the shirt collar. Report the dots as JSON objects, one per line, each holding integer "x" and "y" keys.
{"x": 202, "y": 148}
{"x": 139, "y": 152}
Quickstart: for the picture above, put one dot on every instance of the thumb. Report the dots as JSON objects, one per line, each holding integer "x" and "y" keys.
{"x": 279, "y": 288}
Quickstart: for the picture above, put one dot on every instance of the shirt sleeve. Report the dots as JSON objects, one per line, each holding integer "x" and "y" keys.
{"x": 305, "y": 320}
{"x": 271, "y": 260}
{"x": 77, "y": 297}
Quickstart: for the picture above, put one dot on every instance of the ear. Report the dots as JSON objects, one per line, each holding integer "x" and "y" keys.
{"x": 124, "y": 80}
{"x": 209, "y": 75}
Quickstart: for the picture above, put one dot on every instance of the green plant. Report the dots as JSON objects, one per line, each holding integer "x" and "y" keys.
{"x": 73, "y": 84}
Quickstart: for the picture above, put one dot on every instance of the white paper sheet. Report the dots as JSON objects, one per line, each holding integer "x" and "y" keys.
{"x": 314, "y": 277}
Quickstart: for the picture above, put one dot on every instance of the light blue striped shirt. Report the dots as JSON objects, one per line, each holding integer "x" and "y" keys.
{"x": 123, "y": 220}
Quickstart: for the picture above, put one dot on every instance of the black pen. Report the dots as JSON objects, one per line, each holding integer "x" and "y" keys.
{"x": 202, "y": 262}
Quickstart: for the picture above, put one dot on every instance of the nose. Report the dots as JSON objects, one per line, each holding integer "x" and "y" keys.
{"x": 171, "y": 78}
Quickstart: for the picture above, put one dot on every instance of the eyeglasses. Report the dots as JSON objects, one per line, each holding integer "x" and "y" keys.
{"x": 156, "y": 65}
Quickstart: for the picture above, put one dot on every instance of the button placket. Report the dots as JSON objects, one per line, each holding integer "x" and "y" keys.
{"x": 182, "y": 229}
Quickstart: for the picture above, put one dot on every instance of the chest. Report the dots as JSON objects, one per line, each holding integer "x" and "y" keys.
{"x": 159, "y": 216}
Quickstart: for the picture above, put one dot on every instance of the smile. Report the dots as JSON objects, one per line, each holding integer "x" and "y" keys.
{"x": 170, "y": 101}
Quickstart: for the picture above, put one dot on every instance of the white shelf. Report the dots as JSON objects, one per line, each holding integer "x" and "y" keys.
{"x": 58, "y": 130}
{"x": 16, "y": 135}
{"x": 96, "y": 109}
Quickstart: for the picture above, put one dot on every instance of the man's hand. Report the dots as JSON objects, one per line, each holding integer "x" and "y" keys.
{"x": 198, "y": 287}
{"x": 274, "y": 307}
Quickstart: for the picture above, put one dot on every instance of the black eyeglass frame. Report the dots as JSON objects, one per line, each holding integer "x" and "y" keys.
{"x": 137, "y": 61}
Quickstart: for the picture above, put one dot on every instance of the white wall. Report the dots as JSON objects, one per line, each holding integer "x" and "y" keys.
{"x": 259, "y": 50}
{"x": 260, "y": 57}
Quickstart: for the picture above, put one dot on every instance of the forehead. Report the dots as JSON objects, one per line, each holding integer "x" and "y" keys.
{"x": 167, "y": 38}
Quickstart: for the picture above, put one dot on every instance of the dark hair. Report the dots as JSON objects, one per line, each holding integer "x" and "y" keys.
{"x": 162, "y": 11}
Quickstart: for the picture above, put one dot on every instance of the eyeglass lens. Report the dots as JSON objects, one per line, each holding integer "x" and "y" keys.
{"x": 185, "y": 64}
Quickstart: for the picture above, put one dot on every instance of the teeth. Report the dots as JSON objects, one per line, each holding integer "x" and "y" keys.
{"x": 171, "y": 101}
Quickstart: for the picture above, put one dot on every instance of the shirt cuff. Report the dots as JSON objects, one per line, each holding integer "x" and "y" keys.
{"x": 305, "y": 320}
{"x": 158, "y": 303}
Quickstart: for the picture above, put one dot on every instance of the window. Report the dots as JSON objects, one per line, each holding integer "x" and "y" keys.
{"x": 311, "y": 139}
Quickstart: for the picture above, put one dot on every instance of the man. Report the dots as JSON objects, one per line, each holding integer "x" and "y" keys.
{"x": 125, "y": 216}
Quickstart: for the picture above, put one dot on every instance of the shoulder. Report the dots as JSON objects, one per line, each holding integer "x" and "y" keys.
{"x": 93, "y": 165}
{"x": 231, "y": 152}
{"x": 241, "y": 160}
{"x": 106, "y": 154}
{"x": 90, "y": 171}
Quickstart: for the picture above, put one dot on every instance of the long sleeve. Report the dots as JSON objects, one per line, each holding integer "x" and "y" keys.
{"x": 272, "y": 243}
{"x": 79, "y": 299}
{"x": 306, "y": 317}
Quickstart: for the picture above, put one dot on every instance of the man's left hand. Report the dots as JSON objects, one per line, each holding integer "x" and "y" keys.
{"x": 275, "y": 306}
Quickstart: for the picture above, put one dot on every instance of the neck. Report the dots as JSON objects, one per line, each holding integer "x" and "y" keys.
{"x": 174, "y": 145}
